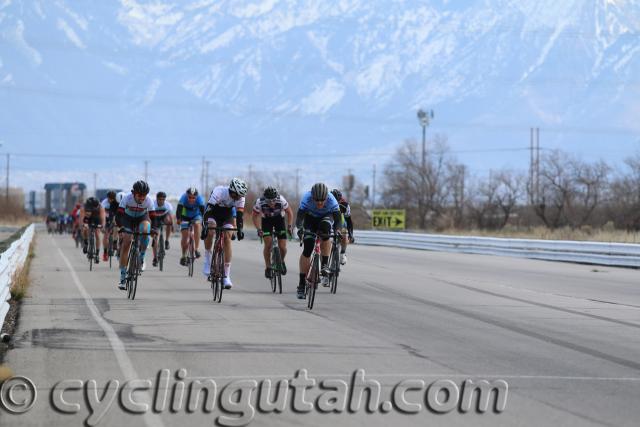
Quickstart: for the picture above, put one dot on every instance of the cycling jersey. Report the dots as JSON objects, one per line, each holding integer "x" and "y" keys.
{"x": 130, "y": 207}
{"x": 308, "y": 206}
{"x": 189, "y": 210}
{"x": 162, "y": 211}
{"x": 110, "y": 208}
{"x": 220, "y": 197}
{"x": 270, "y": 210}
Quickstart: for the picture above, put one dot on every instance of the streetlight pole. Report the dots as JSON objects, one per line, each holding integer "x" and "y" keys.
{"x": 424, "y": 119}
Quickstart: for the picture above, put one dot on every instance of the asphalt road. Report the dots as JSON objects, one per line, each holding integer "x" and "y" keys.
{"x": 564, "y": 338}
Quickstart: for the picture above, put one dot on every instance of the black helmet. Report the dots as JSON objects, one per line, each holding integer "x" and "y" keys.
{"x": 270, "y": 193}
{"x": 140, "y": 187}
{"x": 319, "y": 192}
{"x": 111, "y": 195}
{"x": 91, "y": 203}
{"x": 337, "y": 194}
{"x": 193, "y": 191}
{"x": 161, "y": 195}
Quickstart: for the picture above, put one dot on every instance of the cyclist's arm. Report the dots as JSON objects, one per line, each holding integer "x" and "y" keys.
{"x": 239, "y": 218}
{"x": 179, "y": 209}
{"x": 337, "y": 219}
{"x": 300, "y": 217}
{"x": 349, "y": 225}
{"x": 81, "y": 217}
{"x": 257, "y": 220}
{"x": 119, "y": 216}
{"x": 289, "y": 214}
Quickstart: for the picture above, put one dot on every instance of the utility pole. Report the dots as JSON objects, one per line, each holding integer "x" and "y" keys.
{"x": 95, "y": 183}
{"x": 530, "y": 186}
{"x": 297, "y": 186}
{"x": 373, "y": 189}
{"x": 146, "y": 171}
{"x": 250, "y": 174}
{"x": 537, "y": 165}
{"x": 202, "y": 177}
{"x": 8, "y": 163}
{"x": 206, "y": 178}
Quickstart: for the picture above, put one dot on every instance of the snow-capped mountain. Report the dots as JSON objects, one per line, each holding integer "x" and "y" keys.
{"x": 210, "y": 77}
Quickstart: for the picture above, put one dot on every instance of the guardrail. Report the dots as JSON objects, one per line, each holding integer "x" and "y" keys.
{"x": 10, "y": 261}
{"x": 599, "y": 253}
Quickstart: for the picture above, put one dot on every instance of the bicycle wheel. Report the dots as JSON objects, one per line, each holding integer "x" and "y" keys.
{"x": 192, "y": 255}
{"x": 334, "y": 268}
{"x": 160, "y": 246}
{"x": 110, "y": 248}
{"x": 220, "y": 272}
{"x": 279, "y": 269}
{"x": 132, "y": 273}
{"x": 90, "y": 249}
{"x": 313, "y": 283}
{"x": 274, "y": 270}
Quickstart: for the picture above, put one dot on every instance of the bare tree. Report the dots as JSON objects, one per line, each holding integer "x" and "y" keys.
{"x": 424, "y": 192}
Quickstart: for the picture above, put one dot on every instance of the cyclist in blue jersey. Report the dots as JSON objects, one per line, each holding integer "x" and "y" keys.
{"x": 319, "y": 213}
{"x": 190, "y": 209}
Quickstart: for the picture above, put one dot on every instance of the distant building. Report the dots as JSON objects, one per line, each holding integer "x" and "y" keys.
{"x": 63, "y": 196}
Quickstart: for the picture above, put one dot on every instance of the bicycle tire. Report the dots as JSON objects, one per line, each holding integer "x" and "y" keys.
{"x": 90, "y": 249}
{"x": 334, "y": 268}
{"x": 110, "y": 248}
{"x": 220, "y": 275}
{"x": 313, "y": 283}
{"x": 160, "y": 246}
{"x": 132, "y": 273}
{"x": 192, "y": 256}
{"x": 279, "y": 270}
{"x": 274, "y": 269}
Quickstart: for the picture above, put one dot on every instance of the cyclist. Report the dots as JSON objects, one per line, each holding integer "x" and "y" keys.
{"x": 75, "y": 218}
{"x": 346, "y": 224}
{"x": 161, "y": 215}
{"x": 92, "y": 213}
{"x": 220, "y": 207}
{"x": 110, "y": 206}
{"x": 318, "y": 213}
{"x": 190, "y": 209}
{"x": 268, "y": 214}
{"x": 52, "y": 221}
{"x": 133, "y": 213}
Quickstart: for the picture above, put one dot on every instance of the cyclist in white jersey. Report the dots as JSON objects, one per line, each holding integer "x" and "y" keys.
{"x": 134, "y": 214}
{"x": 222, "y": 202}
{"x": 162, "y": 214}
{"x": 268, "y": 218}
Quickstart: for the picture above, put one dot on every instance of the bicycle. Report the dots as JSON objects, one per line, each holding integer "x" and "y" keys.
{"x": 313, "y": 275}
{"x": 111, "y": 243}
{"x": 91, "y": 247}
{"x": 334, "y": 261}
{"x": 160, "y": 248}
{"x": 191, "y": 249}
{"x": 275, "y": 264}
{"x": 133, "y": 264}
{"x": 216, "y": 273}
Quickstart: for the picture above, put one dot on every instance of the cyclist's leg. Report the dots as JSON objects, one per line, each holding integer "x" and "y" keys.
{"x": 267, "y": 237}
{"x": 184, "y": 241}
{"x": 168, "y": 229}
{"x": 310, "y": 227}
{"x": 197, "y": 229}
{"x": 281, "y": 233}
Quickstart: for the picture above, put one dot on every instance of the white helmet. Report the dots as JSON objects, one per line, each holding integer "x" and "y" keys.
{"x": 238, "y": 186}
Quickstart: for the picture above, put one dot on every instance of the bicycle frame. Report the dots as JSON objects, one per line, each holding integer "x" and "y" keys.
{"x": 216, "y": 273}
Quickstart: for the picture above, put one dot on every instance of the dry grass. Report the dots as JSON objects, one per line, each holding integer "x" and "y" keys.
{"x": 584, "y": 234}
{"x": 20, "y": 283}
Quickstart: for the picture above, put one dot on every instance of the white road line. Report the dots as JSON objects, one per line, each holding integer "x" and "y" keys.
{"x": 150, "y": 419}
{"x": 369, "y": 375}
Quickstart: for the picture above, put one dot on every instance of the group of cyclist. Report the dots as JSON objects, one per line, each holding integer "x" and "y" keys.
{"x": 321, "y": 212}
